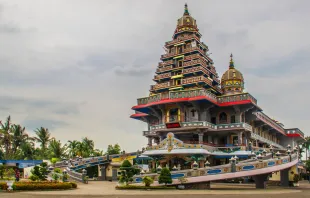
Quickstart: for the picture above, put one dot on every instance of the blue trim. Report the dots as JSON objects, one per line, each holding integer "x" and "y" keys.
{"x": 229, "y": 156}
{"x": 178, "y": 175}
{"x": 271, "y": 163}
{"x": 214, "y": 172}
{"x": 138, "y": 180}
{"x": 249, "y": 167}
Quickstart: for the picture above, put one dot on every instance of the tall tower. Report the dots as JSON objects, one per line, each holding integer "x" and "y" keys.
{"x": 186, "y": 64}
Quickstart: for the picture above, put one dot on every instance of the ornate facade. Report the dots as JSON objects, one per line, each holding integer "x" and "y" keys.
{"x": 190, "y": 112}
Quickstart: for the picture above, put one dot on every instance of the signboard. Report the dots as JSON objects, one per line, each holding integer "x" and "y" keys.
{"x": 173, "y": 125}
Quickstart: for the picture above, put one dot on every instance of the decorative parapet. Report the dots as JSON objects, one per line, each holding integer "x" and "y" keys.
{"x": 162, "y": 76}
{"x": 157, "y": 127}
{"x": 294, "y": 132}
{"x": 234, "y": 126}
{"x": 198, "y": 124}
{"x": 182, "y": 38}
{"x": 146, "y": 100}
{"x": 223, "y": 169}
{"x": 234, "y": 98}
{"x": 196, "y": 69}
{"x": 169, "y": 55}
{"x": 149, "y": 133}
{"x": 163, "y": 69}
{"x": 192, "y": 93}
{"x": 263, "y": 117}
{"x": 160, "y": 86}
{"x": 196, "y": 79}
{"x": 260, "y": 138}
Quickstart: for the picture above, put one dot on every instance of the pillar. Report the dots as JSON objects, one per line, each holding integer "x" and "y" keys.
{"x": 200, "y": 136}
{"x": 240, "y": 138}
{"x": 149, "y": 141}
{"x": 284, "y": 177}
{"x": 209, "y": 139}
{"x": 102, "y": 173}
{"x": 260, "y": 181}
{"x": 228, "y": 139}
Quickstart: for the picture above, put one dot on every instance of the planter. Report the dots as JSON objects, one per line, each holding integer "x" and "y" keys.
{"x": 10, "y": 183}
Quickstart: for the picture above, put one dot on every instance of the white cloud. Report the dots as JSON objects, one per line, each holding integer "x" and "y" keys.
{"x": 99, "y": 56}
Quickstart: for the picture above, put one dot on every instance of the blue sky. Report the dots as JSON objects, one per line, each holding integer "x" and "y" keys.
{"x": 78, "y": 66}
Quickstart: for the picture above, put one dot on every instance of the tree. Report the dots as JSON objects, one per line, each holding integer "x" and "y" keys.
{"x": 308, "y": 165}
{"x": 116, "y": 149}
{"x": 127, "y": 172}
{"x": 306, "y": 145}
{"x": 165, "y": 176}
{"x": 147, "y": 181}
{"x": 43, "y": 137}
{"x": 39, "y": 172}
{"x": 6, "y": 137}
{"x": 88, "y": 146}
{"x": 56, "y": 149}
{"x": 73, "y": 148}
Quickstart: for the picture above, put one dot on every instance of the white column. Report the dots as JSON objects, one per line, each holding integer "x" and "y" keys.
{"x": 200, "y": 136}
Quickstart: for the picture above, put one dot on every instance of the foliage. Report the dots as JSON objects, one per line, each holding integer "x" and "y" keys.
{"x": 182, "y": 180}
{"x": 306, "y": 146}
{"x": 127, "y": 172}
{"x": 39, "y": 172}
{"x": 116, "y": 149}
{"x": 147, "y": 181}
{"x": 73, "y": 184}
{"x": 42, "y": 186}
{"x": 57, "y": 170}
{"x": 2, "y": 169}
{"x": 8, "y": 174}
{"x": 165, "y": 176}
{"x": 308, "y": 165}
{"x": 55, "y": 176}
{"x": 15, "y": 143}
{"x": 296, "y": 178}
{"x": 132, "y": 187}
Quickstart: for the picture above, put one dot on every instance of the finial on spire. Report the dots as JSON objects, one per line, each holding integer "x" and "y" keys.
{"x": 231, "y": 63}
{"x": 186, "y": 9}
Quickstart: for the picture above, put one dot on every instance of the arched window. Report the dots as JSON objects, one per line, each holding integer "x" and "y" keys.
{"x": 223, "y": 118}
{"x": 233, "y": 119}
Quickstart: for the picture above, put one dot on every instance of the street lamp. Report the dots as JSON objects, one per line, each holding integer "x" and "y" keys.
{"x": 264, "y": 152}
{"x": 278, "y": 154}
{"x": 259, "y": 157}
{"x": 195, "y": 165}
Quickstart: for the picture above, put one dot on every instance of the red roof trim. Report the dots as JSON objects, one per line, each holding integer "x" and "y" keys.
{"x": 138, "y": 115}
{"x": 165, "y": 101}
{"x": 293, "y": 135}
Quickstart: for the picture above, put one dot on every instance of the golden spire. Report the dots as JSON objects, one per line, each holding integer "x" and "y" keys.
{"x": 231, "y": 63}
{"x": 186, "y": 9}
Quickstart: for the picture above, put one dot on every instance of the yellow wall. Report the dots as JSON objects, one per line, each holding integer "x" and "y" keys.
{"x": 276, "y": 175}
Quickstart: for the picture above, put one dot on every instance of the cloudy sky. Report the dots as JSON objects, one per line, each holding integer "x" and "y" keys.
{"x": 77, "y": 66}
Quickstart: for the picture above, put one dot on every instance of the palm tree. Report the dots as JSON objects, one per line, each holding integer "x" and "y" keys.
{"x": 88, "y": 146}
{"x": 306, "y": 145}
{"x": 19, "y": 136}
{"x": 43, "y": 138}
{"x": 56, "y": 149}
{"x": 6, "y": 137}
{"x": 73, "y": 148}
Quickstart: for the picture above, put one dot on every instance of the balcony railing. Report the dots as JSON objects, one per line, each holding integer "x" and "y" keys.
{"x": 234, "y": 98}
{"x": 261, "y": 116}
{"x": 162, "y": 76}
{"x": 168, "y": 55}
{"x": 234, "y": 126}
{"x": 294, "y": 131}
{"x": 196, "y": 69}
{"x": 192, "y": 93}
{"x": 196, "y": 79}
{"x": 160, "y": 86}
{"x": 262, "y": 139}
{"x": 163, "y": 69}
{"x": 183, "y": 38}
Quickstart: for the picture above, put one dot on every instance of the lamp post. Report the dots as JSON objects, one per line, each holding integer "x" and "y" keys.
{"x": 288, "y": 147}
{"x": 159, "y": 169}
{"x": 250, "y": 146}
{"x": 271, "y": 150}
{"x": 232, "y": 160}
{"x": 264, "y": 152}
{"x": 278, "y": 154}
{"x": 174, "y": 168}
{"x": 289, "y": 154}
{"x": 64, "y": 175}
{"x": 195, "y": 165}
{"x": 236, "y": 158}
{"x": 260, "y": 157}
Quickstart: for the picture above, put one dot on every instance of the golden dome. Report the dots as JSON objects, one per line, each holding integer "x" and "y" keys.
{"x": 186, "y": 22}
{"x": 232, "y": 81}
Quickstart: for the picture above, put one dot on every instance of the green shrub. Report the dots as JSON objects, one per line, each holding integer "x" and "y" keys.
{"x": 55, "y": 176}
{"x": 3, "y": 186}
{"x": 74, "y": 185}
{"x": 34, "y": 178}
{"x": 132, "y": 187}
{"x": 147, "y": 181}
{"x": 41, "y": 186}
{"x": 165, "y": 176}
{"x": 57, "y": 170}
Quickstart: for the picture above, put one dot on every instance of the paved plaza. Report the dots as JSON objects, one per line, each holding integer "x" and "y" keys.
{"x": 107, "y": 190}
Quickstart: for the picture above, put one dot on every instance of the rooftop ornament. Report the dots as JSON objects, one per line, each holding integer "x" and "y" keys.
{"x": 174, "y": 168}
{"x": 207, "y": 163}
{"x": 142, "y": 172}
{"x": 288, "y": 147}
{"x": 232, "y": 160}
{"x": 259, "y": 157}
{"x": 159, "y": 168}
{"x": 264, "y": 152}
{"x": 288, "y": 151}
{"x": 278, "y": 154}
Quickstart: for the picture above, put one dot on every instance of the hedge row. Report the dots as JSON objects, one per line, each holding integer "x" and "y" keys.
{"x": 39, "y": 185}
{"x": 128, "y": 187}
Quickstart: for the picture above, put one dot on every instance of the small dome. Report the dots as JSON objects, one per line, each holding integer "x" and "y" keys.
{"x": 186, "y": 22}
{"x": 232, "y": 81}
